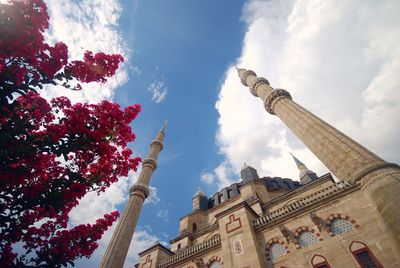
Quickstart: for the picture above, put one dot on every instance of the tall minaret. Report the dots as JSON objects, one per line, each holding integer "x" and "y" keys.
{"x": 305, "y": 175}
{"x": 117, "y": 249}
{"x": 344, "y": 157}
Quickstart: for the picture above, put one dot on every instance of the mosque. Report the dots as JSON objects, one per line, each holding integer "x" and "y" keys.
{"x": 260, "y": 221}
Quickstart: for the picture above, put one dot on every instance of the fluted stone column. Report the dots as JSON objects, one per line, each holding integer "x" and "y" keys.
{"x": 344, "y": 157}
{"x": 117, "y": 250}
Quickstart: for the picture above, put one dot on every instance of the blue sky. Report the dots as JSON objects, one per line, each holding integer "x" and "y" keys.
{"x": 340, "y": 60}
{"x": 188, "y": 53}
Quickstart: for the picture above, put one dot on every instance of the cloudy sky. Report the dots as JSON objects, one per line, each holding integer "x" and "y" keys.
{"x": 339, "y": 59}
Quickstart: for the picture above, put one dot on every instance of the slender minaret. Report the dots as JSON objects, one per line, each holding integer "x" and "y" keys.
{"x": 305, "y": 174}
{"x": 344, "y": 157}
{"x": 117, "y": 249}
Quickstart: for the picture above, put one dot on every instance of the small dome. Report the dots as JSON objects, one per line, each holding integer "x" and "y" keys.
{"x": 248, "y": 173}
{"x": 244, "y": 166}
{"x": 199, "y": 192}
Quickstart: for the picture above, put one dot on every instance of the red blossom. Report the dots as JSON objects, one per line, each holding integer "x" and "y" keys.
{"x": 53, "y": 153}
{"x": 95, "y": 68}
{"x": 88, "y": 136}
{"x": 27, "y": 62}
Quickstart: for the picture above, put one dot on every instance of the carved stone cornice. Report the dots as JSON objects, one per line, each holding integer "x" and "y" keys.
{"x": 139, "y": 189}
{"x": 150, "y": 162}
{"x": 206, "y": 230}
{"x": 157, "y": 143}
{"x": 246, "y": 74}
{"x": 369, "y": 168}
{"x": 191, "y": 253}
{"x": 159, "y": 246}
{"x": 273, "y": 97}
{"x": 187, "y": 234}
{"x": 259, "y": 81}
{"x": 285, "y": 198}
{"x": 305, "y": 204}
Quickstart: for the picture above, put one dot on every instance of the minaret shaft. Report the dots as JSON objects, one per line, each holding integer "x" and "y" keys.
{"x": 344, "y": 157}
{"x": 118, "y": 247}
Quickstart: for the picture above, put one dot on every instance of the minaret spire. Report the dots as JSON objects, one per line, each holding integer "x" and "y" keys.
{"x": 117, "y": 249}
{"x": 305, "y": 174}
{"x": 164, "y": 127}
{"x": 297, "y": 161}
{"x": 344, "y": 157}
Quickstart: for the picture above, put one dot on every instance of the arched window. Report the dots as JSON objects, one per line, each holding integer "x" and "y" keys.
{"x": 363, "y": 255}
{"x": 276, "y": 250}
{"x": 215, "y": 264}
{"x": 339, "y": 226}
{"x": 307, "y": 238}
{"x": 194, "y": 227}
{"x": 319, "y": 261}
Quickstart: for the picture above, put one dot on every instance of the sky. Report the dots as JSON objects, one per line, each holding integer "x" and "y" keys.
{"x": 338, "y": 59}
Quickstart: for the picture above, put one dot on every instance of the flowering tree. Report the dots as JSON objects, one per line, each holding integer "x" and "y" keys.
{"x": 53, "y": 153}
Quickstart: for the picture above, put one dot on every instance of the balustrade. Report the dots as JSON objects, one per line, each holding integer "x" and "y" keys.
{"x": 297, "y": 205}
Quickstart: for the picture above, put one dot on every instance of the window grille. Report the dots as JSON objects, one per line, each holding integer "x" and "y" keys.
{"x": 307, "y": 239}
{"x": 215, "y": 265}
{"x": 277, "y": 250}
{"x": 339, "y": 226}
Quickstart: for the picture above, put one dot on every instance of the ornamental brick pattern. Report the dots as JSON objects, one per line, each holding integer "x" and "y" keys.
{"x": 148, "y": 263}
{"x": 214, "y": 259}
{"x": 233, "y": 224}
{"x": 335, "y": 216}
{"x": 303, "y": 229}
{"x": 270, "y": 243}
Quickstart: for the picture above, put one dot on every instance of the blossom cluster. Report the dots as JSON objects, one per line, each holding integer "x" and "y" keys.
{"x": 53, "y": 152}
{"x": 27, "y": 61}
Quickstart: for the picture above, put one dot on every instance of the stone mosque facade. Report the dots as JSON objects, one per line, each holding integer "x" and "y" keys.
{"x": 316, "y": 222}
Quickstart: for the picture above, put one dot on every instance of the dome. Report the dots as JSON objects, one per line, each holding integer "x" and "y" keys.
{"x": 199, "y": 192}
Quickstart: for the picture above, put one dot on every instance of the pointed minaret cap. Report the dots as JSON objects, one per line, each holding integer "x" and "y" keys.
{"x": 305, "y": 175}
{"x": 297, "y": 161}
{"x": 240, "y": 70}
{"x": 164, "y": 127}
{"x": 160, "y": 136}
{"x": 243, "y": 74}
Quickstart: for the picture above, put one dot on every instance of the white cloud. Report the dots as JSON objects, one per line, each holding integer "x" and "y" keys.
{"x": 152, "y": 198}
{"x": 94, "y": 206}
{"x": 207, "y": 178}
{"x": 158, "y": 90}
{"x": 87, "y": 25}
{"x": 142, "y": 240}
{"x": 163, "y": 213}
{"x": 340, "y": 60}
